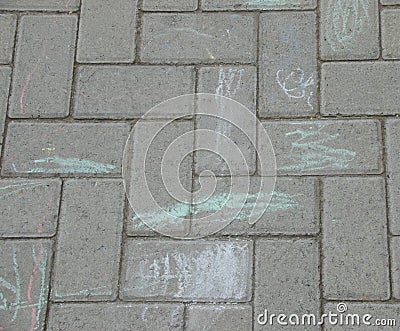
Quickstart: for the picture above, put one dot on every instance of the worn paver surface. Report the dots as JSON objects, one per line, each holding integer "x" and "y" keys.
{"x": 207, "y": 232}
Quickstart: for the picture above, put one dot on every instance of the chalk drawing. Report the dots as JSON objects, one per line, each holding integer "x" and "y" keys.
{"x": 344, "y": 20}
{"x": 70, "y": 165}
{"x": 279, "y": 201}
{"x": 40, "y": 260}
{"x": 294, "y": 84}
{"x": 291, "y": 78}
{"x": 195, "y": 273}
{"x": 310, "y": 152}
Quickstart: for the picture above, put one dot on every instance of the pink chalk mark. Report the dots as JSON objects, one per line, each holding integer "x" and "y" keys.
{"x": 67, "y": 3}
{"x": 30, "y": 285}
{"x": 39, "y": 257}
{"x": 28, "y": 79}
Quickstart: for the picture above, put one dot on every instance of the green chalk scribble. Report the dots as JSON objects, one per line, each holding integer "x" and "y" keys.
{"x": 279, "y": 201}
{"x": 69, "y": 165}
{"x": 310, "y": 152}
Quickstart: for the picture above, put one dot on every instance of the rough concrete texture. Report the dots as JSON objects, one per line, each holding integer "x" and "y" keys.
{"x": 86, "y": 266}
{"x": 8, "y": 25}
{"x": 393, "y": 170}
{"x": 169, "y": 5}
{"x": 288, "y": 72}
{"x": 42, "y": 76}
{"x": 356, "y": 94}
{"x": 41, "y": 5}
{"x": 128, "y": 92}
{"x": 104, "y": 37}
{"x": 76, "y": 77}
{"x": 390, "y": 34}
{"x": 285, "y": 272}
{"x": 29, "y": 207}
{"x": 355, "y": 247}
{"x": 116, "y": 317}
{"x": 215, "y": 317}
{"x": 258, "y": 4}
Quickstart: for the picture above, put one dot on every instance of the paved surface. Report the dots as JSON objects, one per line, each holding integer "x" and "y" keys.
{"x": 322, "y": 77}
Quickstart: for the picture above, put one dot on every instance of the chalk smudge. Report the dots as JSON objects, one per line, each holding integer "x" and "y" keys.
{"x": 310, "y": 151}
{"x": 278, "y": 201}
{"x": 345, "y": 19}
{"x": 228, "y": 85}
{"x": 69, "y": 165}
{"x": 197, "y": 272}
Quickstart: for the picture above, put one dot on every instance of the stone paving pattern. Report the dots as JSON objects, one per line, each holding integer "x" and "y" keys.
{"x": 74, "y": 77}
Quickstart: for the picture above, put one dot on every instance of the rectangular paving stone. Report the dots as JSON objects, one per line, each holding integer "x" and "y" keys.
{"x": 42, "y": 75}
{"x": 187, "y": 270}
{"x": 349, "y": 30}
{"x": 236, "y": 82}
{"x": 393, "y": 171}
{"x": 219, "y": 317}
{"x": 258, "y": 4}
{"x": 5, "y": 73}
{"x": 29, "y": 207}
{"x": 198, "y": 38}
{"x": 70, "y": 148}
{"x": 355, "y": 249}
{"x": 169, "y": 5}
{"x": 8, "y": 24}
{"x": 89, "y": 240}
{"x": 395, "y": 256}
{"x": 383, "y": 316}
{"x": 353, "y": 88}
{"x": 293, "y": 209}
{"x": 286, "y": 280}
{"x": 156, "y": 165}
{"x": 115, "y": 317}
{"x": 288, "y": 70}
{"x": 128, "y": 92}
{"x": 42, "y": 5}
{"x": 115, "y": 22}
{"x": 24, "y": 283}
{"x": 325, "y": 147}
{"x": 390, "y": 34}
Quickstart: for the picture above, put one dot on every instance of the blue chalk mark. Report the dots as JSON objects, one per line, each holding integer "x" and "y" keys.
{"x": 311, "y": 153}
{"x": 70, "y": 165}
